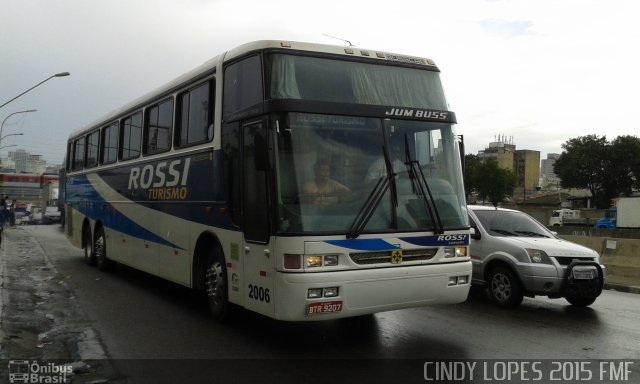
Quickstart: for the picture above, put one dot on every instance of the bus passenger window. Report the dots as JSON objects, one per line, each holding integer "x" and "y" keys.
{"x": 242, "y": 85}
{"x": 109, "y": 146}
{"x": 92, "y": 149}
{"x": 78, "y": 154}
{"x": 159, "y": 123}
{"x": 196, "y": 115}
{"x": 131, "y": 136}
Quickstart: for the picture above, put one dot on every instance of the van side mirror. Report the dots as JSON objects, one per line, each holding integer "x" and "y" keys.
{"x": 475, "y": 234}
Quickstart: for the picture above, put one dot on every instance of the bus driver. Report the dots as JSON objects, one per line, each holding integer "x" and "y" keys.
{"x": 323, "y": 190}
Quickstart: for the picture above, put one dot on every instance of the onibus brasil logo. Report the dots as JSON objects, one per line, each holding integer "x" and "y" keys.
{"x": 32, "y": 372}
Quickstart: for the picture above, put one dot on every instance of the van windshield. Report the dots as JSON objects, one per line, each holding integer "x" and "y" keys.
{"x": 508, "y": 223}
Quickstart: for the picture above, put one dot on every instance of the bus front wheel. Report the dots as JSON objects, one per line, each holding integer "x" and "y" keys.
{"x": 216, "y": 287}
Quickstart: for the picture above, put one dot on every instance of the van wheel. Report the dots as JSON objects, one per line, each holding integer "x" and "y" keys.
{"x": 580, "y": 301}
{"x": 104, "y": 264}
{"x": 504, "y": 287}
{"x": 89, "y": 254}
{"x": 216, "y": 287}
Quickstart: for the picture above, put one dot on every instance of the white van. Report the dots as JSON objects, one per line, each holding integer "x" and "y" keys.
{"x": 513, "y": 255}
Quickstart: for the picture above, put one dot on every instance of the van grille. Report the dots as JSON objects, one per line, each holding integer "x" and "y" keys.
{"x": 385, "y": 256}
{"x": 566, "y": 260}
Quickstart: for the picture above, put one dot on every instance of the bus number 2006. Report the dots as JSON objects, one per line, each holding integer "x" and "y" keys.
{"x": 259, "y": 293}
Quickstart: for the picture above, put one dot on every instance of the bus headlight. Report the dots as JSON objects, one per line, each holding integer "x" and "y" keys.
{"x": 331, "y": 292}
{"x": 314, "y": 261}
{"x": 330, "y": 260}
{"x": 455, "y": 252}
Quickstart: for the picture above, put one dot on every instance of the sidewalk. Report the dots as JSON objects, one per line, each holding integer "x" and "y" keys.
{"x": 623, "y": 284}
{"x": 40, "y": 319}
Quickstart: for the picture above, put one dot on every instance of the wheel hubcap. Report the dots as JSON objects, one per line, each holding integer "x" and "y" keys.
{"x": 99, "y": 247}
{"x": 214, "y": 283}
{"x": 501, "y": 287}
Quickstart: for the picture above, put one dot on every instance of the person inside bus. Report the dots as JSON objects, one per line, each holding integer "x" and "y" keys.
{"x": 323, "y": 190}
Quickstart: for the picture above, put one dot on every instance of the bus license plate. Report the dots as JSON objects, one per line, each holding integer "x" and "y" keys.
{"x": 583, "y": 274}
{"x": 324, "y": 307}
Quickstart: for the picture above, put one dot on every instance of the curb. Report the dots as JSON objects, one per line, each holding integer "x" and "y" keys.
{"x": 622, "y": 288}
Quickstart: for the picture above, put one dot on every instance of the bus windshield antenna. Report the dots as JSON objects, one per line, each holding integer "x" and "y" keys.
{"x": 337, "y": 38}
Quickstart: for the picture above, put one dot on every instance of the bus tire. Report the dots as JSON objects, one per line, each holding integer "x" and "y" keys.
{"x": 216, "y": 287}
{"x": 100, "y": 251}
{"x": 89, "y": 253}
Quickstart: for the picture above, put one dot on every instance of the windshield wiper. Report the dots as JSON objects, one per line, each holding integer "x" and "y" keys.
{"x": 421, "y": 187}
{"x": 503, "y": 232}
{"x": 531, "y": 234}
{"x": 376, "y": 195}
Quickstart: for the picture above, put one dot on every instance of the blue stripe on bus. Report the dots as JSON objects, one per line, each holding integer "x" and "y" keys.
{"x": 364, "y": 244}
{"x": 438, "y": 240}
{"x": 83, "y": 192}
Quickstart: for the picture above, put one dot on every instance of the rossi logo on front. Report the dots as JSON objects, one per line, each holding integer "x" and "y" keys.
{"x": 166, "y": 180}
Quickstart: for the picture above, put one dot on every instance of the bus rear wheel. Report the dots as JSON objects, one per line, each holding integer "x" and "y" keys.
{"x": 216, "y": 287}
{"x": 89, "y": 254}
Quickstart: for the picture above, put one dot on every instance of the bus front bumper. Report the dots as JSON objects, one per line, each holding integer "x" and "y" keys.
{"x": 361, "y": 292}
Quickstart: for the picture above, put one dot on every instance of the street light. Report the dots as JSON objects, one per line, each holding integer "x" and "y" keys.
{"x": 61, "y": 74}
{"x": 7, "y": 118}
{"x": 11, "y": 134}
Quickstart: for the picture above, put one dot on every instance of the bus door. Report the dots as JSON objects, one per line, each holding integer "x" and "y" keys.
{"x": 258, "y": 259}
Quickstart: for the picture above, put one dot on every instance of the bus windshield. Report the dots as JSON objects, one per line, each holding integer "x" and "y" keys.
{"x": 329, "y": 165}
{"x": 339, "y": 81}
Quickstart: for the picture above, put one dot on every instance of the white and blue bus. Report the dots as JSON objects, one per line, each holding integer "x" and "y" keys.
{"x": 296, "y": 180}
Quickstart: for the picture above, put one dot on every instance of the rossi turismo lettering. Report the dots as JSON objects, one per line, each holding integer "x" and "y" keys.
{"x": 161, "y": 175}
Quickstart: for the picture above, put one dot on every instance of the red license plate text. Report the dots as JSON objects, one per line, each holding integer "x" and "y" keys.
{"x": 324, "y": 307}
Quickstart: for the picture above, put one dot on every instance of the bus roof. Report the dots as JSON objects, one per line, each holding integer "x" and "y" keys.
{"x": 209, "y": 67}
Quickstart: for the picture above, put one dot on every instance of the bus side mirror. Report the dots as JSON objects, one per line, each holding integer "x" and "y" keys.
{"x": 475, "y": 234}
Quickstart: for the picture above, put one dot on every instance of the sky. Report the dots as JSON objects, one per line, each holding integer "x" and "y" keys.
{"x": 536, "y": 72}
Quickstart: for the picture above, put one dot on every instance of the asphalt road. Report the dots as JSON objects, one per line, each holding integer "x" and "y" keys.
{"x": 156, "y": 331}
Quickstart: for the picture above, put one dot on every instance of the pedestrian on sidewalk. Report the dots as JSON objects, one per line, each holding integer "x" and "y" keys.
{"x": 12, "y": 213}
{"x": 3, "y": 213}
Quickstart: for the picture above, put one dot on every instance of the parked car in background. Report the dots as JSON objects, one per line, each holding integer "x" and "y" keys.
{"x": 513, "y": 256}
{"x": 51, "y": 215}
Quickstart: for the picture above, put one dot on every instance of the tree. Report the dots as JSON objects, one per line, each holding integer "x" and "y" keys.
{"x": 607, "y": 169}
{"x": 492, "y": 182}
{"x": 625, "y": 161}
{"x": 471, "y": 162}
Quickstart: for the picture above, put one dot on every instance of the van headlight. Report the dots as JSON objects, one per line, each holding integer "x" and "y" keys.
{"x": 538, "y": 256}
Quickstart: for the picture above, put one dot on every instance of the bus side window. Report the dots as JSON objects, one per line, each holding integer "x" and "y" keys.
{"x": 109, "y": 144}
{"x": 78, "y": 154}
{"x": 242, "y": 85}
{"x": 158, "y": 127}
{"x": 195, "y": 120}
{"x": 92, "y": 149}
{"x": 131, "y": 136}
